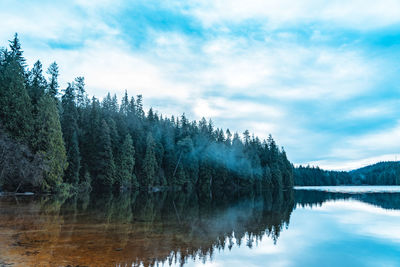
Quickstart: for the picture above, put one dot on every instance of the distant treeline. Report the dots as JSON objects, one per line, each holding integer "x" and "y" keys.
{"x": 51, "y": 141}
{"x": 309, "y": 176}
{"x": 383, "y": 173}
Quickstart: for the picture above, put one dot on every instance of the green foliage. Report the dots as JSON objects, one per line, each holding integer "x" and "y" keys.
{"x": 53, "y": 81}
{"x": 149, "y": 163}
{"x": 73, "y": 156}
{"x": 104, "y": 173}
{"x": 126, "y": 163}
{"x": 69, "y": 125}
{"x": 15, "y": 103}
{"x": 382, "y": 173}
{"x": 49, "y": 142}
{"x": 36, "y": 84}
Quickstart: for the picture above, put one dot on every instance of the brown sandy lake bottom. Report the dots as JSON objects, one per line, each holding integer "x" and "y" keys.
{"x": 292, "y": 228}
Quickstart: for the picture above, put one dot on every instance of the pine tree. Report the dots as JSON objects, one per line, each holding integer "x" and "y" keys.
{"x": 124, "y": 109}
{"x": 74, "y": 161}
{"x": 139, "y": 106}
{"x": 70, "y": 133}
{"x": 90, "y": 127}
{"x": 81, "y": 98}
{"x": 149, "y": 162}
{"x": 104, "y": 164}
{"x": 15, "y": 103}
{"x": 36, "y": 84}
{"x": 49, "y": 142}
{"x": 287, "y": 172}
{"x": 276, "y": 173}
{"x": 126, "y": 164}
{"x": 53, "y": 80}
{"x": 16, "y": 52}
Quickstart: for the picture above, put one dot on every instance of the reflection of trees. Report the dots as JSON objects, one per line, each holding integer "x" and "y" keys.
{"x": 317, "y": 198}
{"x": 136, "y": 228}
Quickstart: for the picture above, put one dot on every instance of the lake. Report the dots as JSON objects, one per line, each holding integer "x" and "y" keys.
{"x": 319, "y": 226}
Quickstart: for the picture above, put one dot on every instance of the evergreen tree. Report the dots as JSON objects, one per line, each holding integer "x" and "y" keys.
{"x": 81, "y": 98}
{"x": 276, "y": 171}
{"x": 287, "y": 172}
{"x": 149, "y": 162}
{"x": 15, "y": 103}
{"x": 36, "y": 84}
{"x": 49, "y": 142}
{"x": 139, "y": 106}
{"x": 70, "y": 133}
{"x": 126, "y": 163}
{"x": 124, "y": 109}
{"x": 53, "y": 80}
{"x": 104, "y": 165}
{"x": 16, "y": 52}
{"x": 73, "y": 157}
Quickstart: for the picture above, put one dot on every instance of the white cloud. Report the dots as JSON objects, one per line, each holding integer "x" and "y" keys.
{"x": 358, "y": 14}
{"x": 346, "y": 164}
{"x": 286, "y": 71}
{"x": 368, "y": 112}
{"x": 107, "y": 65}
{"x": 383, "y": 139}
{"x": 45, "y": 22}
{"x": 362, "y": 150}
{"x": 236, "y": 109}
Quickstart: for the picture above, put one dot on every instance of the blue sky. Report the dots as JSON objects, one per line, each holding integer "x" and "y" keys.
{"x": 321, "y": 76}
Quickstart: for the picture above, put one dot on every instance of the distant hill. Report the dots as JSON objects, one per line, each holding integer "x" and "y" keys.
{"x": 382, "y": 173}
{"x": 385, "y": 173}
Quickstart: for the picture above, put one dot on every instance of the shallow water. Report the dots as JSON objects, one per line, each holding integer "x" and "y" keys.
{"x": 293, "y": 228}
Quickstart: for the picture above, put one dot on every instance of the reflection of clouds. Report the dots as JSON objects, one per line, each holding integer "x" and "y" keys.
{"x": 356, "y": 207}
{"x": 265, "y": 248}
{"x": 338, "y": 233}
{"x": 365, "y": 219}
{"x": 391, "y": 232}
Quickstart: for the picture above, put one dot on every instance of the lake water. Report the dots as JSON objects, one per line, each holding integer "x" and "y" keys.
{"x": 304, "y": 227}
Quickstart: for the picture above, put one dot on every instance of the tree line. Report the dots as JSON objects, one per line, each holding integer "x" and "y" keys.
{"x": 69, "y": 141}
{"x": 382, "y": 173}
{"x": 314, "y": 176}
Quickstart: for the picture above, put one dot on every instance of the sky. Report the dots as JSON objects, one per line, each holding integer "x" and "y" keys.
{"x": 321, "y": 76}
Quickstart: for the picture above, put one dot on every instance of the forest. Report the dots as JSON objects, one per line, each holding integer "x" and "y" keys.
{"x": 382, "y": 173}
{"x": 54, "y": 139}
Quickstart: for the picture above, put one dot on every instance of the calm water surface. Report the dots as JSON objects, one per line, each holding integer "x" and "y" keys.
{"x": 313, "y": 227}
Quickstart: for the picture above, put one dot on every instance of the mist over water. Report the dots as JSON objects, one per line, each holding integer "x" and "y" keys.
{"x": 292, "y": 228}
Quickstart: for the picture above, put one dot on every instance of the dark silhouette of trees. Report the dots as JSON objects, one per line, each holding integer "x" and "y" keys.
{"x": 382, "y": 173}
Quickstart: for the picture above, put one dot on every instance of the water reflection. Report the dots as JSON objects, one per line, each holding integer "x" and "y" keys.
{"x": 313, "y": 198}
{"x": 177, "y": 228}
{"x": 135, "y": 228}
